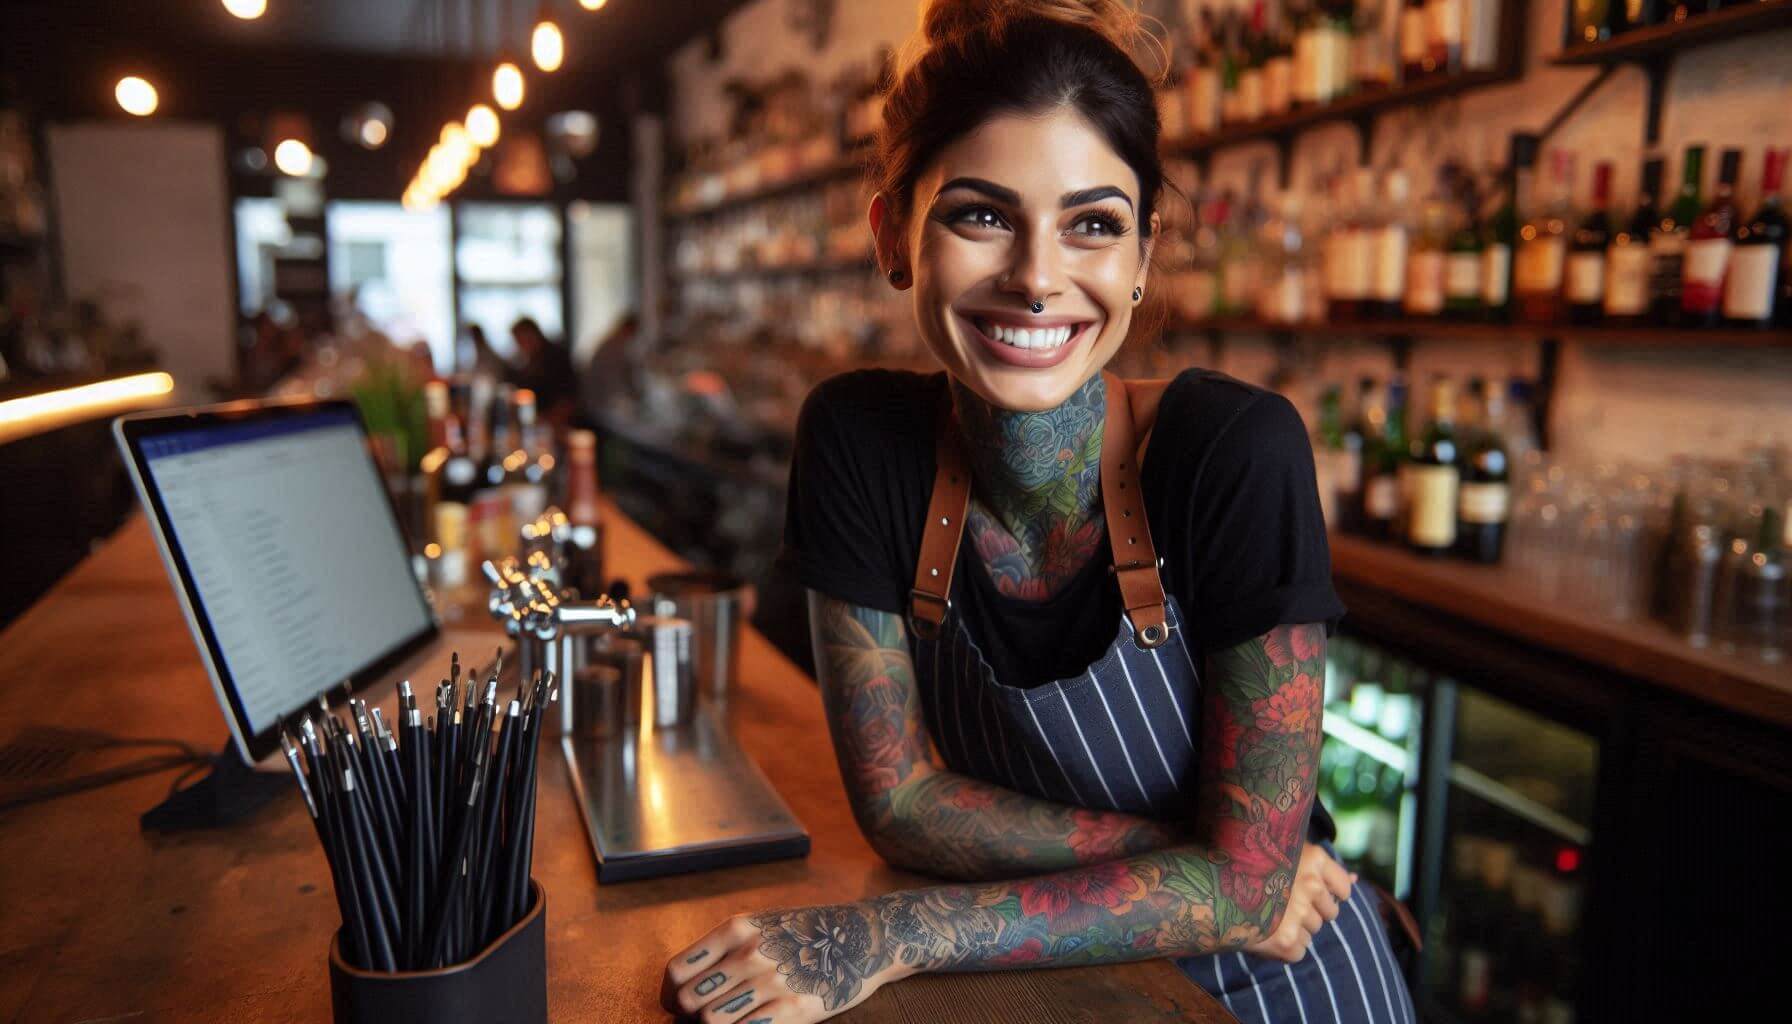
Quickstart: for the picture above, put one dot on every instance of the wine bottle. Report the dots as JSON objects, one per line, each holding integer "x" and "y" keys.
{"x": 1667, "y": 242}
{"x": 1425, "y": 270}
{"x": 1382, "y": 453}
{"x": 1708, "y": 249}
{"x": 1751, "y": 289}
{"x": 1627, "y": 258}
{"x": 1484, "y": 503}
{"x": 1443, "y": 36}
{"x": 1586, "y": 253}
{"x": 460, "y": 477}
{"x": 1435, "y": 477}
{"x": 1462, "y": 259}
{"x": 1502, "y": 230}
{"x": 1392, "y": 237}
{"x": 1354, "y": 445}
{"x": 1538, "y": 267}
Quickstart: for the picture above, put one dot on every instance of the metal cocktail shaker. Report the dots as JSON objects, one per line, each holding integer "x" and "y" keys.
{"x": 712, "y": 603}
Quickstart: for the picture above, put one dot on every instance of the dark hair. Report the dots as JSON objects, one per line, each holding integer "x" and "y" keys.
{"x": 975, "y": 59}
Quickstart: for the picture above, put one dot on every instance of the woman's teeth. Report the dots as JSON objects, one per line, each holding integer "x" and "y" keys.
{"x": 1029, "y": 338}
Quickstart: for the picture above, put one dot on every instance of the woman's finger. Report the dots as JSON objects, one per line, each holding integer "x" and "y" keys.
{"x": 707, "y": 951}
{"x": 1327, "y": 906}
{"x": 1312, "y": 922}
{"x": 709, "y": 984}
{"x": 1337, "y": 880}
{"x": 738, "y": 1004}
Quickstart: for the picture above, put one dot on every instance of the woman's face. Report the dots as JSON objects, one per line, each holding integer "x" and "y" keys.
{"x": 1024, "y": 209}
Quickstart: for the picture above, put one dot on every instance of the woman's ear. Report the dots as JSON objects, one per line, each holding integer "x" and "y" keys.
{"x": 1150, "y": 247}
{"x": 887, "y": 235}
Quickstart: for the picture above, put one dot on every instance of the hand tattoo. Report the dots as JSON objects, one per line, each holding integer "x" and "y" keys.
{"x": 711, "y": 983}
{"x": 694, "y": 957}
{"x": 827, "y": 952}
{"x": 1036, "y": 518}
{"x": 738, "y": 1001}
{"x": 923, "y": 818}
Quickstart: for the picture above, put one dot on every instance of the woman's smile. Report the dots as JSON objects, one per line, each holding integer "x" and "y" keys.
{"x": 1033, "y": 342}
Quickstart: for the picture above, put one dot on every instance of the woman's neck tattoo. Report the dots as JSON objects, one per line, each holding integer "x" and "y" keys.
{"x": 1036, "y": 515}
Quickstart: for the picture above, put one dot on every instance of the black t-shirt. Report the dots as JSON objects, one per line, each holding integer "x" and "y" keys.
{"x": 1230, "y": 497}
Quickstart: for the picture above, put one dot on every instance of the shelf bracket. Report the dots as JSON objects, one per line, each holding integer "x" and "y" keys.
{"x": 1364, "y": 124}
{"x": 1656, "y": 68}
{"x": 1549, "y": 357}
{"x": 1581, "y": 96}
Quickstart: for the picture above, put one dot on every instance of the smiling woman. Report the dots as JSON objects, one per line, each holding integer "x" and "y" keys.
{"x": 1112, "y": 753}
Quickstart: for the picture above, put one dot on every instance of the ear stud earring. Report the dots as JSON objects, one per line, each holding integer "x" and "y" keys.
{"x": 1137, "y": 294}
{"x": 897, "y": 276}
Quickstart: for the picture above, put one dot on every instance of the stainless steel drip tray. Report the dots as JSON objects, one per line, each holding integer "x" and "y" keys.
{"x": 666, "y": 801}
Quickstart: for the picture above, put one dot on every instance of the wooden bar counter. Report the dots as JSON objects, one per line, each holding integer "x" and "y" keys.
{"x": 105, "y": 923}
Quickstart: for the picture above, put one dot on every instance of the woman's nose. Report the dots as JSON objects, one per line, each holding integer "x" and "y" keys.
{"x": 1036, "y": 271}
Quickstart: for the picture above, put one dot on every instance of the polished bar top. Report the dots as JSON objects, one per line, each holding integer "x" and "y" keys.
{"x": 103, "y": 922}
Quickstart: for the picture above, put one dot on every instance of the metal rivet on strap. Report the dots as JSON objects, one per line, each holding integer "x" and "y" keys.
{"x": 935, "y": 572}
{"x": 1132, "y": 540}
{"x": 945, "y": 522}
{"x": 1126, "y": 513}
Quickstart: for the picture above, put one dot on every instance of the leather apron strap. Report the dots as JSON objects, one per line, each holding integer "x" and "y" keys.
{"x": 1135, "y": 565}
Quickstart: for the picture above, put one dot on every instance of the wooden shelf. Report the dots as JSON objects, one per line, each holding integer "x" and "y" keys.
{"x": 1447, "y": 330}
{"x": 843, "y": 168}
{"x": 1354, "y": 107}
{"x": 1506, "y": 600}
{"x": 1699, "y": 30}
{"x": 860, "y": 265}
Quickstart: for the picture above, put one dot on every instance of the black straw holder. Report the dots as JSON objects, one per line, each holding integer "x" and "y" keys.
{"x": 506, "y": 983}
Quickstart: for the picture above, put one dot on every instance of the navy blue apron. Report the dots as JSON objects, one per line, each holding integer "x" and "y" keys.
{"x": 1122, "y": 735}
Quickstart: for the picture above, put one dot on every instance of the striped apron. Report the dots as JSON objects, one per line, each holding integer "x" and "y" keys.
{"x": 1121, "y": 735}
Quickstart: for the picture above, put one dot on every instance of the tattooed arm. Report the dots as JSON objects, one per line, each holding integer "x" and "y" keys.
{"x": 1225, "y": 890}
{"x": 918, "y": 815}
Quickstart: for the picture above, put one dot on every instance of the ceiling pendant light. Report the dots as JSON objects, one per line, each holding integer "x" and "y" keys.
{"x": 592, "y": 5}
{"x": 547, "y": 45}
{"x": 482, "y": 125}
{"x": 136, "y": 95}
{"x": 293, "y": 158}
{"x": 248, "y": 10}
{"x": 507, "y": 85}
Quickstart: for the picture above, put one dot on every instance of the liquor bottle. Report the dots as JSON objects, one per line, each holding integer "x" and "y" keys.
{"x": 1435, "y": 477}
{"x": 1667, "y": 243}
{"x": 1484, "y": 502}
{"x": 460, "y": 478}
{"x": 1278, "y": 67}
{"x": 1462, "y": 259}
{"x": 1443, "y": 36}
{"x": 584, "y": 513}
{"x": 1425, "y": 270}
{"x": 1537, "y": 269}
{"x": 1501, "y": 239}
{"x": 529, "y": 481}
{"x": 1231, "y": 66}
{"x": 1372, "y": 56}
{"x": 1630, "y": 15}
{"x": 1340, "y": 26}
{"x": 1708, "y": 249}
{"x": 1751, "y": 288}
{"x": 1585, "y": 289}
{"x": 1589, "y": 21}
{"x": 1415, "y": 41}
{"x": 1391, "y": 234}
{"x": 437, "y": 413}
{"x": 1250, "y": 76}
{"x": 1203, "y": 83}
{"x": 1354, "y": 444}
{"x": 1382, "y": 453}
{"x": 1681, "y": 10}
{"x": 1627, "y": 258}
{"x": 1350, "y": 251}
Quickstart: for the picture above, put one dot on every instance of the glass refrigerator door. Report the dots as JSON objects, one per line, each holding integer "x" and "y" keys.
{"x": 1375, "y": 702}
{"x": 1502, "y": 937}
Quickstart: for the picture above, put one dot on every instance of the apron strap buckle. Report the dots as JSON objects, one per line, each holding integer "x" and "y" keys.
{"x": 926, "y": 612}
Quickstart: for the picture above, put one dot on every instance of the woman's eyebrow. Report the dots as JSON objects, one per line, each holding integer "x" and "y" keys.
{"x": 1093, "y": 195}
{"x": 988, "y": 188}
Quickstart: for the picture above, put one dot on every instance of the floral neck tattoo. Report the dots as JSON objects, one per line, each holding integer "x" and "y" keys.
{"x": 1035, "y": 516}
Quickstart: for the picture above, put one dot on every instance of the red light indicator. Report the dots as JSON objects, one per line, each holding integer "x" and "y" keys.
{"x": 1567, "y": 860}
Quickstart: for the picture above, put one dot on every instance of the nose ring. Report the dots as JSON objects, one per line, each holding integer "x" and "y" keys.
{"x": 1038, "y": 307}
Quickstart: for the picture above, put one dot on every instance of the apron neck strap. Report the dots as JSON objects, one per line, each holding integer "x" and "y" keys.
{"x": 1136, "y": 563}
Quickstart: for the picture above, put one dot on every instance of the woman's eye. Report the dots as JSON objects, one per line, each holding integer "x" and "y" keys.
{"x": 1097, "y": 226}
{"x": 978, "y": 217}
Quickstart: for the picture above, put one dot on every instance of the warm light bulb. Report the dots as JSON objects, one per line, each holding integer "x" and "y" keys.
{"x": 373, "y": 133}
{"x": 547, "y": 46}
{"x": 293, "y": 158}
{"x": 507, "y": 86}
{"x": 248, "y": 10}
{"x": 482, "y": 125}
{"x": 592, "y": 5}
{"x": 136, "y": 96}
{"x": 454, "y": 135}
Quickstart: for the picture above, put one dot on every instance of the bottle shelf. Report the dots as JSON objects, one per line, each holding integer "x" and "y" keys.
{"x": 1353, "y": 107}
{"x": 860, "y": 264}
{"x": 1699, "y": 30}
{"x": 1367, "y": 742}
{"x": 1448, "y": 330}
{"x": 842, "y": 168}
{"x": 1518, "y": 805}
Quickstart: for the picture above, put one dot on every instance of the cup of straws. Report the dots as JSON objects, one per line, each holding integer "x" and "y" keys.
{"x": 429, "y": 832}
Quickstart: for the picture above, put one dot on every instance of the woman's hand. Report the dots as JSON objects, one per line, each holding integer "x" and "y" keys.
{"x": 1320, "y": 885}
{"x": 783, "y": 966}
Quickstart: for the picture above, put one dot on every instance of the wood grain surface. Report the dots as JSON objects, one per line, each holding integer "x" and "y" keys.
{"x": 104, "y": 923}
